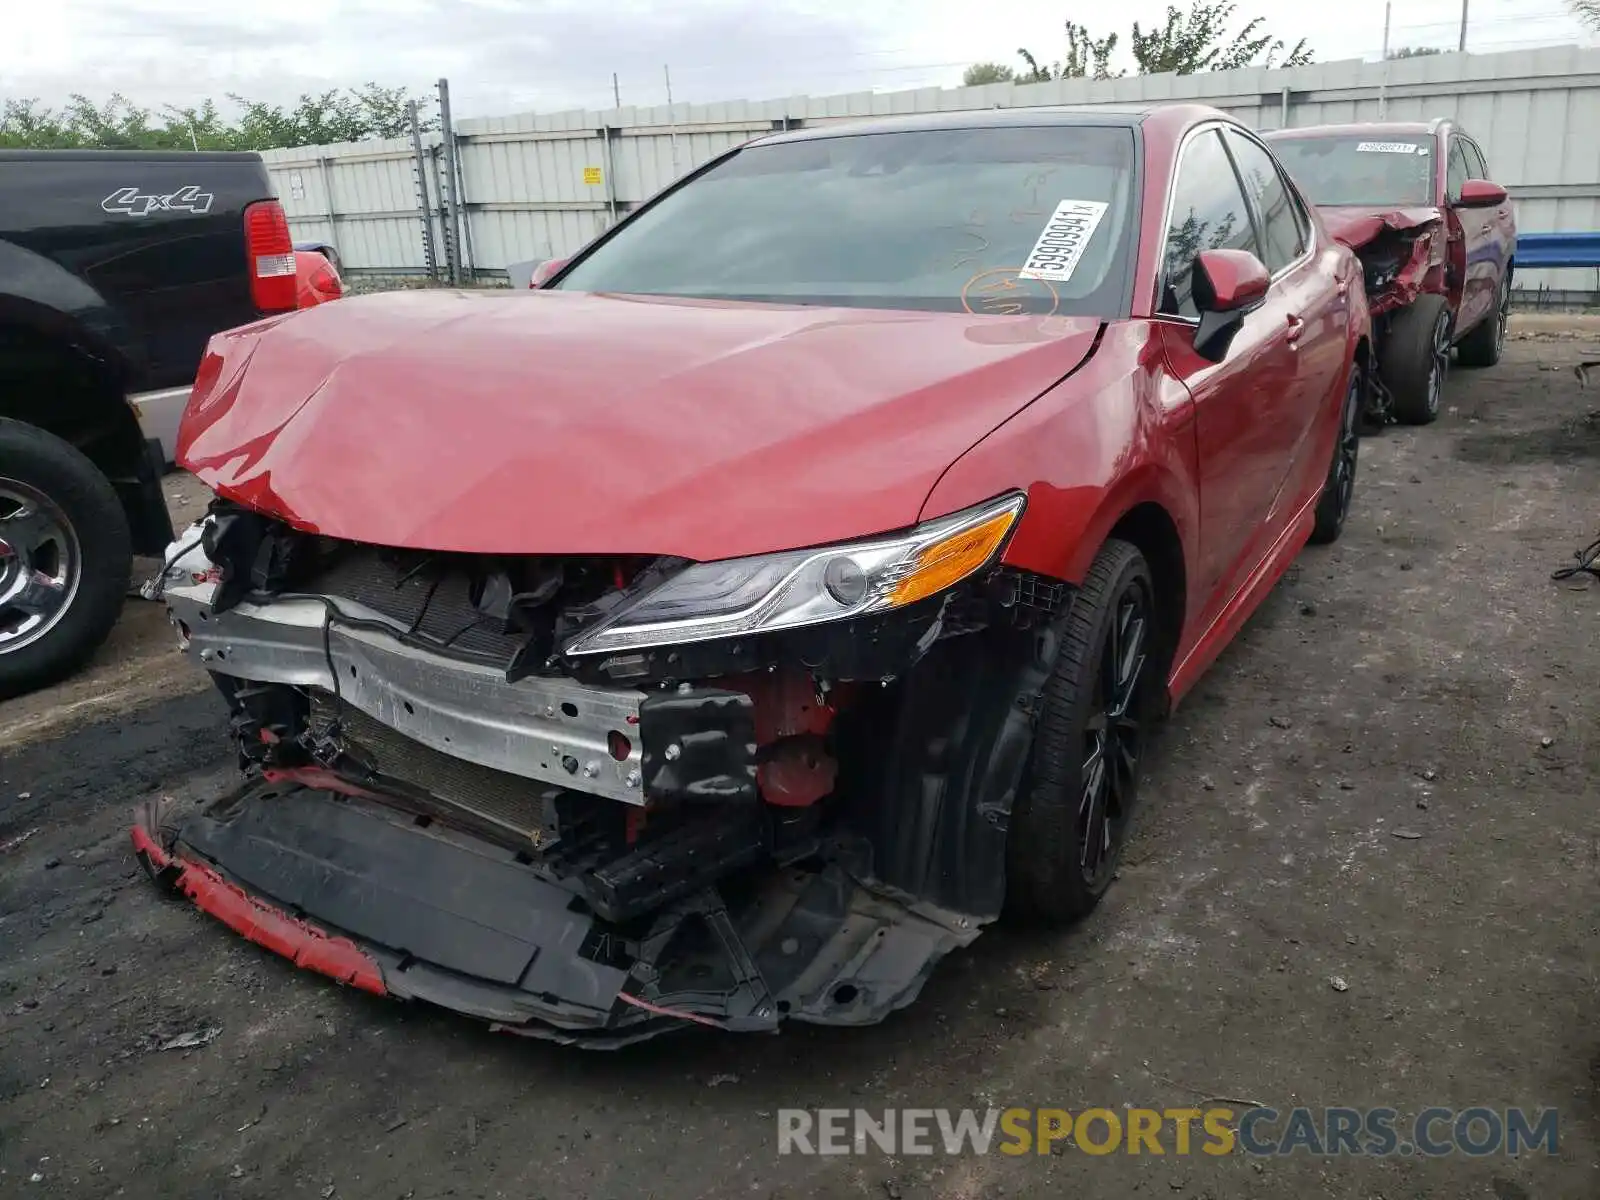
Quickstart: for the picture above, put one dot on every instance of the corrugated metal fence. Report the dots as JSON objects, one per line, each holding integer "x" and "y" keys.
{"x": 541, "y": 185}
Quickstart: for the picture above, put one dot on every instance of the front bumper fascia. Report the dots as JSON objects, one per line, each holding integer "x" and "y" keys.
{"x": 364, "y": 896}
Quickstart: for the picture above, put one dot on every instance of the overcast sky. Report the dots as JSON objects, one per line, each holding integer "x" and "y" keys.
{"x": 506, "y": 56}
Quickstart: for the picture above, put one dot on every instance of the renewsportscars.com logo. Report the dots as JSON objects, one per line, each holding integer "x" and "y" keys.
{"x": 1433, "y": 1132}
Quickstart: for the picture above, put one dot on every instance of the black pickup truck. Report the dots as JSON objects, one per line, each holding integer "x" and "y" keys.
{"x": 116, "y": 267}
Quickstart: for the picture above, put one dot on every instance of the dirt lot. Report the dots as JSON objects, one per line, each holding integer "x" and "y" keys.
{"x": 1390, "y": 778}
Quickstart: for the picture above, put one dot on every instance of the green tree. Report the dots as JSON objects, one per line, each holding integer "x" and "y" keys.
{"x": 1187, "y": 43}
{"x": 354, "y": 115}
{"x": 1035, "y": 73}
{"x": 24, "y": 125}
{"x": 1088, "y": 57}
{"x": 979, "y": 74}
{"x": 1587, "y": 11}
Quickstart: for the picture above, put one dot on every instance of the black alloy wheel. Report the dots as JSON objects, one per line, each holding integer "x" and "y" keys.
{"x": 1073, "y": 810}
{"x": 1333, "y": 507}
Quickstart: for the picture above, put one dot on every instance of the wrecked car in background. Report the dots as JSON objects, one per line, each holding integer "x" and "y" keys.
{"x": 796, "y": 587}
{"x": 1435, "y": 237}
{"x": 316, "y": 276}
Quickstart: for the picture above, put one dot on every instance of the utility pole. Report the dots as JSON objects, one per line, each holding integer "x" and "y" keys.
{"x": 430, "y": 259}
{"x": 1383, "y": 87}
{"x": 672, "y": 121}
{"x": 1462, "y": 44}
{"x": 447, "y": 131}
{"x": 616, "y": 92}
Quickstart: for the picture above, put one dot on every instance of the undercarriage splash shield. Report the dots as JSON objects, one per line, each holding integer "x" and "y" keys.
{"x": 422, "y": 912}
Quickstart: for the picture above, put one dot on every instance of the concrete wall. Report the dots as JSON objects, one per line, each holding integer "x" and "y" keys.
{"x": 541, "y": 185}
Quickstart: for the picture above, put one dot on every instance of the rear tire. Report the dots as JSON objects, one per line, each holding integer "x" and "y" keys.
{"x": 1484, "y": 345}
{"x": 1333, "y": 506}
{"x": 1416, "y": 359}
{"x": 1072, "y": 812}
{"x": 65, "y": 558}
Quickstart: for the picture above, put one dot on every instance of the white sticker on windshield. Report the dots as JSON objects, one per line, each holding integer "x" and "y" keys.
{"x": 1066, "y": 236}
{"x": 1389, "y": 148}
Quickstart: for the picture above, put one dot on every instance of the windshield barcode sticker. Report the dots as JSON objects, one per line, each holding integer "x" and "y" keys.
{"x": 1389, "y": 148}
{"x": 1066, "y": 235}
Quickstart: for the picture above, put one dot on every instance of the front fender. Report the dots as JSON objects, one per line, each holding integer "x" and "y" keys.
{"x": 1117, "y": 434}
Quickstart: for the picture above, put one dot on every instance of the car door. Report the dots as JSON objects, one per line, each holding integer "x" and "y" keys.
{"x": 1318, "y": 318}
{"x": 1498, "y": 227}
{"x": 1468, "y": 239}
{"x": 1241, "y": 439}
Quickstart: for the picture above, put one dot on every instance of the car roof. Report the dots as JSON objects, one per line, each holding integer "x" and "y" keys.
{"x": 1099, "y": 115}
{"x": 1354, "y": 128}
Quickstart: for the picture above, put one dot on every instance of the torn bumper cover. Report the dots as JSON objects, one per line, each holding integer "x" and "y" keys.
{"x": 421, "y": 914}
{"x": 729, "y": 838}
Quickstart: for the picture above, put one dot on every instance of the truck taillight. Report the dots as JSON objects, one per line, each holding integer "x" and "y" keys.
{"x": 270, "y": 251}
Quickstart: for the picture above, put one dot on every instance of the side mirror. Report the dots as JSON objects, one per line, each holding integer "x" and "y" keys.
{"x": 546, "y": 271}
{"x": 1227, "y": 285}
{"x": 1480, "y": 193}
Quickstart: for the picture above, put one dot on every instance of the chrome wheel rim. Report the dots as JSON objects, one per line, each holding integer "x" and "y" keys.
{"x": 1114, "y": 734}
{"x": 1440, "y": 365}
{"x": 41, "y": 565}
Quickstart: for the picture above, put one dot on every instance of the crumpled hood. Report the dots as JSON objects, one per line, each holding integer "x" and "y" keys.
{"x": 554, "y": 422}
{"x": 1355, "y": 227}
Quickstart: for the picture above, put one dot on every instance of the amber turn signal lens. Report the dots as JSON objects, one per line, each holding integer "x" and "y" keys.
{"x": 948, "y": 562}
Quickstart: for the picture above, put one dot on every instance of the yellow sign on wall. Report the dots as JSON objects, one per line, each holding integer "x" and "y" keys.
{"x": 591, "y": 175}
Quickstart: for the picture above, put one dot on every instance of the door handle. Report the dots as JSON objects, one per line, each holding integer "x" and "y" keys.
{"x": 1342, "y": 290}
{"x": 1296, "y": 328}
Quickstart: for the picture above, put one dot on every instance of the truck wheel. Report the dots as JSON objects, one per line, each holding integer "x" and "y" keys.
{"x": 65, "y": 557}
{"x": 1333, "y": 506}
{"x": 1072, "y": 812}
{"x": 1416, "y": 358}
{"x": 1484, "y": 345}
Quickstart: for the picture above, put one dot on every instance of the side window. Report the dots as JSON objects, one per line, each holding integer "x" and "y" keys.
{"x": 1280, "y": 228}
{"x": 1477, "y": 168}
{"x": 1459, "y": 172}
{"x": 1208, "y": 213}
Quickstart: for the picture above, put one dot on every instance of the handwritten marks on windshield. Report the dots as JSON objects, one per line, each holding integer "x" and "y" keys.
{"x": 1001, "y": 291}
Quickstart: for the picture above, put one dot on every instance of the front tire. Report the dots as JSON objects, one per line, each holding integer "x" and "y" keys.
{"x": 1072, "y": 813}
{"x": 1416, "y": 359}
{"x": 1333, "y": 506}
{"x": 65, "y": 558}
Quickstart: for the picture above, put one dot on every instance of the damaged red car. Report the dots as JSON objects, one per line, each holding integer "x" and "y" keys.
{"x": 1436, "y": 238}
{"x": 733, "y": 626}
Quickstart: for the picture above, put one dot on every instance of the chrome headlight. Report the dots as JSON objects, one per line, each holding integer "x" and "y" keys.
{"x": 806, "y": 587}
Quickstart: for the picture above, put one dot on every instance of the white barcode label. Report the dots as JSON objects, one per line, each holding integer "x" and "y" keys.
{"x": 1066, "y": 236}
{"x": 1389, "y": 148}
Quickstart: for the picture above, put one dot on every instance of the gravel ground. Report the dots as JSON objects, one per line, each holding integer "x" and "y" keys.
{"x": 1389, "y": 779}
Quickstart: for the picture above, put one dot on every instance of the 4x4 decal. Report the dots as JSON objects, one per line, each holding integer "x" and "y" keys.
{"x": 132, "y": 202}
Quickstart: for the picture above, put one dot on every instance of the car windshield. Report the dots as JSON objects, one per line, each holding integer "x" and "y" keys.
{"x": 1374, "y": 169}
{"x": 996, "y": 220}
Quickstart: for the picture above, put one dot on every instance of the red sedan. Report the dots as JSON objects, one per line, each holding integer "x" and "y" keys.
{"x": 1435, "y": 236}
{"x": 731, "y": 627}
